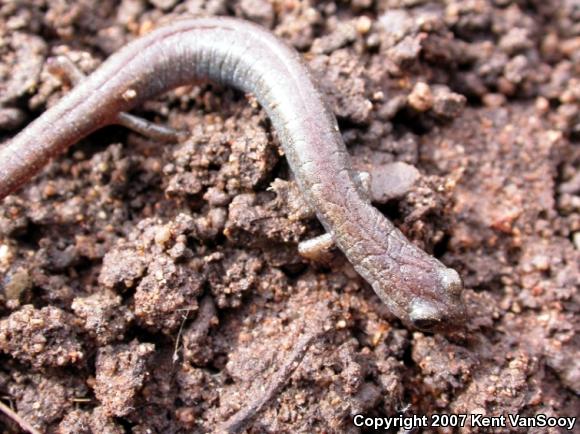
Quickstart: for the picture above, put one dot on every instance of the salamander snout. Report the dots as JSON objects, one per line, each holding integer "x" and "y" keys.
{"x": 444, "y": 312}
{"x": 450, "y": 281}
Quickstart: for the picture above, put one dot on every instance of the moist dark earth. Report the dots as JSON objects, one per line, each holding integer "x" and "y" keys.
{"x": 157, "y": 288}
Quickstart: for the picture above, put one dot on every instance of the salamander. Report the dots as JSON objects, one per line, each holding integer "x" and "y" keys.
{"x": 415, "y": 286}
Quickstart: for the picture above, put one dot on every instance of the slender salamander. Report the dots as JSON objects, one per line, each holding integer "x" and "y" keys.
{"x": 415, "y": 286}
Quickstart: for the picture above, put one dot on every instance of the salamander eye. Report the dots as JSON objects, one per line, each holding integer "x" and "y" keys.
{"x": 424, "y": 315}
{"x": 451, "y": 281}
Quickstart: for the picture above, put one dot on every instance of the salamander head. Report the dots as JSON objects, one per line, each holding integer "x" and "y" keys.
{"x": 444, "y": 309}
{"x": 428, "y": 299}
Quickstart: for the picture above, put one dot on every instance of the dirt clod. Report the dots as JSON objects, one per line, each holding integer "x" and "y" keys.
{"x": 41, "y": 337}
{"x": 120, "y": 373}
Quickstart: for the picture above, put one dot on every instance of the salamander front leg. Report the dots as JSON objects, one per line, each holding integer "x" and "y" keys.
{"x": 66, "y": 70}
{"x": 63, "y": 68}
{"x": 317, "y": 249}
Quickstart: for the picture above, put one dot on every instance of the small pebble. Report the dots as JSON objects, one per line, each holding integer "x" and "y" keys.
{"x": 576, "y": 240}
{"x": 494, "y": 100}
{"x": 421, "y": 97}
{"x": 393, "y": 180}
{"x": 542, "y": 105}
{"x": 162, "y": 235}
{"x": 447, "y": 104}
{"x": 18, "y": 282}
{"x": 363, "y": 25}
{"x": 5, "y": 254}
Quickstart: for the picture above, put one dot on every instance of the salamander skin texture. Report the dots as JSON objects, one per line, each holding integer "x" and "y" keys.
{"x": 416, "y": 287}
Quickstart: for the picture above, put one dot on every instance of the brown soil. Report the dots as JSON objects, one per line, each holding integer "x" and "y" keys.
{"x": 150, "y": 288}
